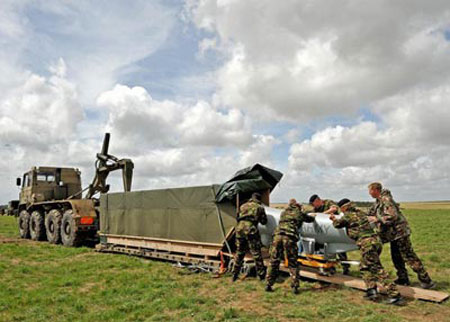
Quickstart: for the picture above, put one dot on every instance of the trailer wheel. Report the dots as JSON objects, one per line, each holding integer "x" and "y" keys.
{"x": 53, "y": 226}
{"x": 24, "y": 228}
{"x": 37, "y": 226}
{"x": 69, "y": 230}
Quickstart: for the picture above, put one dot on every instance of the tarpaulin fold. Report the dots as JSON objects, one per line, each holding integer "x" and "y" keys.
{"x": 254, "y": 178}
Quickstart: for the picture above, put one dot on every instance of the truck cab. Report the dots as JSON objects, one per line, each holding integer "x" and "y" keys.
{"x": 48, "y": 183}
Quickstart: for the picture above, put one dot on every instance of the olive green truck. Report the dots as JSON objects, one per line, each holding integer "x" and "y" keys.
{"x": 51, "y": 206}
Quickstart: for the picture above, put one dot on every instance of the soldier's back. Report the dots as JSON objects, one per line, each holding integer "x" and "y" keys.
{"x": 247, "y": 220}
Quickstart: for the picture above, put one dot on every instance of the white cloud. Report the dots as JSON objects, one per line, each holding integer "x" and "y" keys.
{"x": 134, "y": 116}
{"x": 303, "y": 60}
{"x": 409, "y": 149}
{"x": 38, "y": 125}
{"x": 95, "y": 40}
{"x": 40, "y": 111}
{"x": 179, "y": 143}
{"x": 297, "y": 62}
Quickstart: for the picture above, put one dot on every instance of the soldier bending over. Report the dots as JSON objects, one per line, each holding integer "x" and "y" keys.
{"x": 393, "y": 228}
{"x": 370, "y": 246}
{"x": 284, "y": 244}
{"x": 329, "y": 207}
{"x": 247, "y": 235}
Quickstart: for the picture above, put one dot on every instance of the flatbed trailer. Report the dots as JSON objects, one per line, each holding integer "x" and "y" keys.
{"x": 206, "y": 255}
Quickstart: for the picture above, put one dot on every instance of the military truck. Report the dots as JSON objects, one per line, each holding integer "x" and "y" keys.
{"x": 12, "y": 208}
{"x": 51, "y": 206}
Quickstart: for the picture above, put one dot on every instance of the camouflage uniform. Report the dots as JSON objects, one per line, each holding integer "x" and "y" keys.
{"x": 327, "y": 204}
{"x": 393, "y": 227}
{"x": 370, "y": 246}
{"x": 285, "y": 242}
{"x": 247, "y": 235}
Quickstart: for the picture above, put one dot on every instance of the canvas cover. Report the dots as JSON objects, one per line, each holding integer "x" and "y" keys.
{"x": 251, "y": 179}
{"x": 184, "y": 214}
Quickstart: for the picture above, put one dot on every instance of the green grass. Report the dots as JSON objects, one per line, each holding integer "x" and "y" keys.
{"x": 41, "y": 282}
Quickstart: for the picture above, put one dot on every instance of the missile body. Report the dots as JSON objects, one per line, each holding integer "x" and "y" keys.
{"x": 319, "y": 236}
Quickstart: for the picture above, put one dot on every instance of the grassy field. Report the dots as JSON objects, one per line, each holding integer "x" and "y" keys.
{"x": 41, "y": 282}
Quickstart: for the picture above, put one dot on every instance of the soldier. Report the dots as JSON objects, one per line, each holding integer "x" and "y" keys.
{"x": 247, "y": 235}
{"x": 393, "y": 228}
{"x": 329, "y": 207}
{"x": 285, "y": 244}
{"x": 325, "y": 206}
{"x": 360, "y": 230}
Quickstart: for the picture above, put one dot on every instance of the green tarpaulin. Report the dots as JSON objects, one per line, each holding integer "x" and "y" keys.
{"x": 195, "y": 214}
{"x": 185, "y": 214}
{"x": 251, "y": 179}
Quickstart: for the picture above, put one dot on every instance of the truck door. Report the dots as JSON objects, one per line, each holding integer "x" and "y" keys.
{"x": 25, "y": 193}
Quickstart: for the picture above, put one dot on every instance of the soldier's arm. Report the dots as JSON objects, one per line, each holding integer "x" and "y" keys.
{"x": 341, "y": 222}
{"x": 306, "y": 218}
{"x": 333, "y": 208}
{"x": 389, "y": 214}
{"x": 262, "y": 217}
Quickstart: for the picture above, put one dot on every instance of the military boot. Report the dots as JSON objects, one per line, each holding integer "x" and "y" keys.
{"x": 429, "y": 285}
{"x": 268, "y": 288}
{"x": 295, "y": 290}
{"x": 262, "y": 276}
{"x": 398, "y": 300}
{"x": 371, "y": 294}
{"x": 402, "y": 281}
{"x": 235, "y": 277}
{"x": 346, "y": 270}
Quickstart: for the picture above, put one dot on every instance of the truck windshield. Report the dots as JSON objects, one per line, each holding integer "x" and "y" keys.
{"x": 45, "y": 177}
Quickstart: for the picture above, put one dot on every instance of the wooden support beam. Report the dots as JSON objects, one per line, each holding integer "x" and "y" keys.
{"x": 357, "y": 283}
{"x": 170, "y": 246}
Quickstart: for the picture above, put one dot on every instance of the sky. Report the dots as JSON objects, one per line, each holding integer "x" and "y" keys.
{"x": 333, "y": 94}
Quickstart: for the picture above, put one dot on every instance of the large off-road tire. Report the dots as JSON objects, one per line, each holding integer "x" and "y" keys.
{"x": 53, "y": 226}
{"x": 37, "y": 226}
{"x": 69, "y": 230}
{"x": 24, "y": 224}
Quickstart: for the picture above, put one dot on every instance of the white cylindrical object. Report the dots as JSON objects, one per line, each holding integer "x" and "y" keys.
{"x": 321, "y": 231}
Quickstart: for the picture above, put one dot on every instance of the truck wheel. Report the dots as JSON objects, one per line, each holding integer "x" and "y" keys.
{"x": 53, "y": 226}
{"x": 37, "y": 226}
{"x": 69, "y": 230}
{"x": 24, "y": 228}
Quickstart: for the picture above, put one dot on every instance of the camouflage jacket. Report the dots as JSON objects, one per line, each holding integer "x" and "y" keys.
{"x": 250, "y": 214}
{"x": 357, "y": 224}
{"x": 291, "y": 219}
{"x": 327, "y": 204}
{"x": 392, "y": 224}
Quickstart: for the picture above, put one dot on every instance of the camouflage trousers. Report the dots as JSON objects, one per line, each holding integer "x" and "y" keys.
{"x": 401, "y": 251}
{"x": 371, "y": 268}
{"x": 283, "y": 247}
{"x": 250, "y": 242}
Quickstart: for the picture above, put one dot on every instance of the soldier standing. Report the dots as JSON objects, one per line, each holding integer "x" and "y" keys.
{"x": 247, "y": 235}
{"x": 393, "y": 228}
{"x": 285, "y": 244}
{"x": 329, "y": 207}
{"x": 370, "y": 246}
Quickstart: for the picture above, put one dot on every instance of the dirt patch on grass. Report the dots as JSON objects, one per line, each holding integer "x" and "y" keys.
{"x": 88, "y": 287}
{"x": 9, "y": 240}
